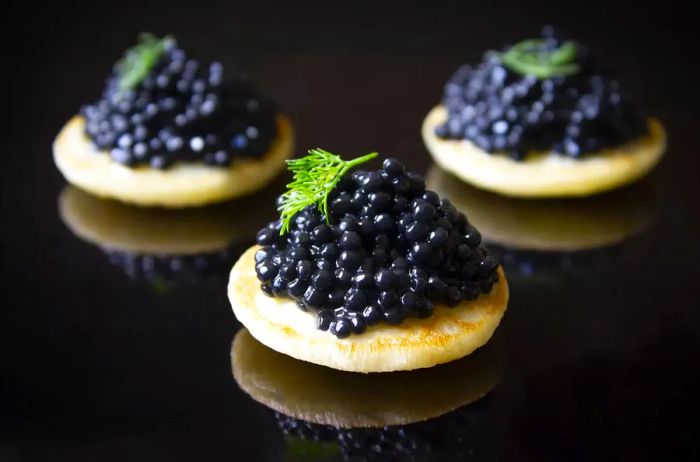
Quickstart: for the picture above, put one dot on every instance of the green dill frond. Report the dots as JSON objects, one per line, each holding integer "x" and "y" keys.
{"x": 140, "y": 59}
{"x": 314, "y": 178}
{"x": 530, "y": 57}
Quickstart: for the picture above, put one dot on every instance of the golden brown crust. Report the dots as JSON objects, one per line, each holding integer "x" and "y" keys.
{"x": 182, "y": 185}
{"x": 330, "y": 397}
{"x": 544, "y": 174}
{"x": 449, "y": 334}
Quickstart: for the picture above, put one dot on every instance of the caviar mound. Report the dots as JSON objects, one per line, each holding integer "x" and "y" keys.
{"x": 380, "y": 248}
{"x": 449, "y": 334}
{"x": 160, "y": 107}
{"x": 539, "y": 95}
{"x": 125, "y": 228}
{"x": 571, "y": 224}
{"x": 181, "y": 185}
{"x": 545, "y": 174}
{"x": 341, "y": 399}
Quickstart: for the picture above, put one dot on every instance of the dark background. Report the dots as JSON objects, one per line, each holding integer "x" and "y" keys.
{"x": 602, "y": 351}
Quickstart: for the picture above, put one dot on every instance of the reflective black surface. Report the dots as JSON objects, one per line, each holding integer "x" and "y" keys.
{"x": 104, "y": 358}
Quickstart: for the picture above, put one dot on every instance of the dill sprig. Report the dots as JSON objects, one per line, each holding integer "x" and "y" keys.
{"x": 140, "y": 59}
{"x": 532, "y": 57}
{"x": 315, "y": 177}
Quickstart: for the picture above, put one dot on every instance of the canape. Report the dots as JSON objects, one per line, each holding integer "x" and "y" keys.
{"x": 367, "y": 272}
{"x": 171, "y": 131}
{"x": 541, "y": 119}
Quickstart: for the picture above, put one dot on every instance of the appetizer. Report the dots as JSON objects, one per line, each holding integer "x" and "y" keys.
{"x": 367, "y": 272}
{"x": 353, "y": 412}
{"x": 541, "y": 119}
{"x": 171, "y": 131}
{"x": 162, "y": 245}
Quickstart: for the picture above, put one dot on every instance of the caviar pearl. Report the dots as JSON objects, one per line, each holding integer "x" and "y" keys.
{"x": 385, "y": 279}
{"x": 296, "y": 288}
{"x": 355, "y": 300}
{"x": 438, "y": 237}
{"x": 372, "y": 314}
{"x": 314, "y": 297}
{"x": 363, "y": 280}
{"x": 322, "y": 234}
{"x": 358, "y": 324}
{"x": 322, "y": 279}
{"x": 472, "y": 236}
{"x": 384, "y": 223}
{"x": 384, "y": 256}
{"x": 304, "y": 270}
{"x": 393, "y": 168}
{"x": 341, "y": 328}
{"x": 424, "y": 212}
{"x": 393, "y": 316}
{"x": 324, "y": 319}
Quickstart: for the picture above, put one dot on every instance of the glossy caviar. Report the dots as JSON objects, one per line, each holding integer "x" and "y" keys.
{"x": 503, "y": 108}
{"x": 390, "y": 250}
{"x": 181, "y": 110}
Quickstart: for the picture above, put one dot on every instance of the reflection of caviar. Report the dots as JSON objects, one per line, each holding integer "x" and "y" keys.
{"x": 467, "y": 433}
{"x": 180, "y": 268}
{"x": 502, "y": 109}
{"x": 531, "y": 262}
{"x": 391, "y": 250}
{"x": 181, "y": 110}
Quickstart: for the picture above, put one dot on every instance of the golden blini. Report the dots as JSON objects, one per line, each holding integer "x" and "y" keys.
{"x": 545, "y": 174}
{"x": 184, "y": 184}
{"x": 449, "y": 334}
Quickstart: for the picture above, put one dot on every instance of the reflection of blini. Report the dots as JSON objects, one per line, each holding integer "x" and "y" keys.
{"x": 160, "y": 244}
{"x": 550, "y": 225}
{"x": 108, "y": 223}
{"x": 326, "y": 396}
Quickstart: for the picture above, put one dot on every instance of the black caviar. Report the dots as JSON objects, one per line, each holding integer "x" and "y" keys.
{"x": 391, "y": 251}
{"x": 501, "y": 110}
{"x": 182, "y": 110}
